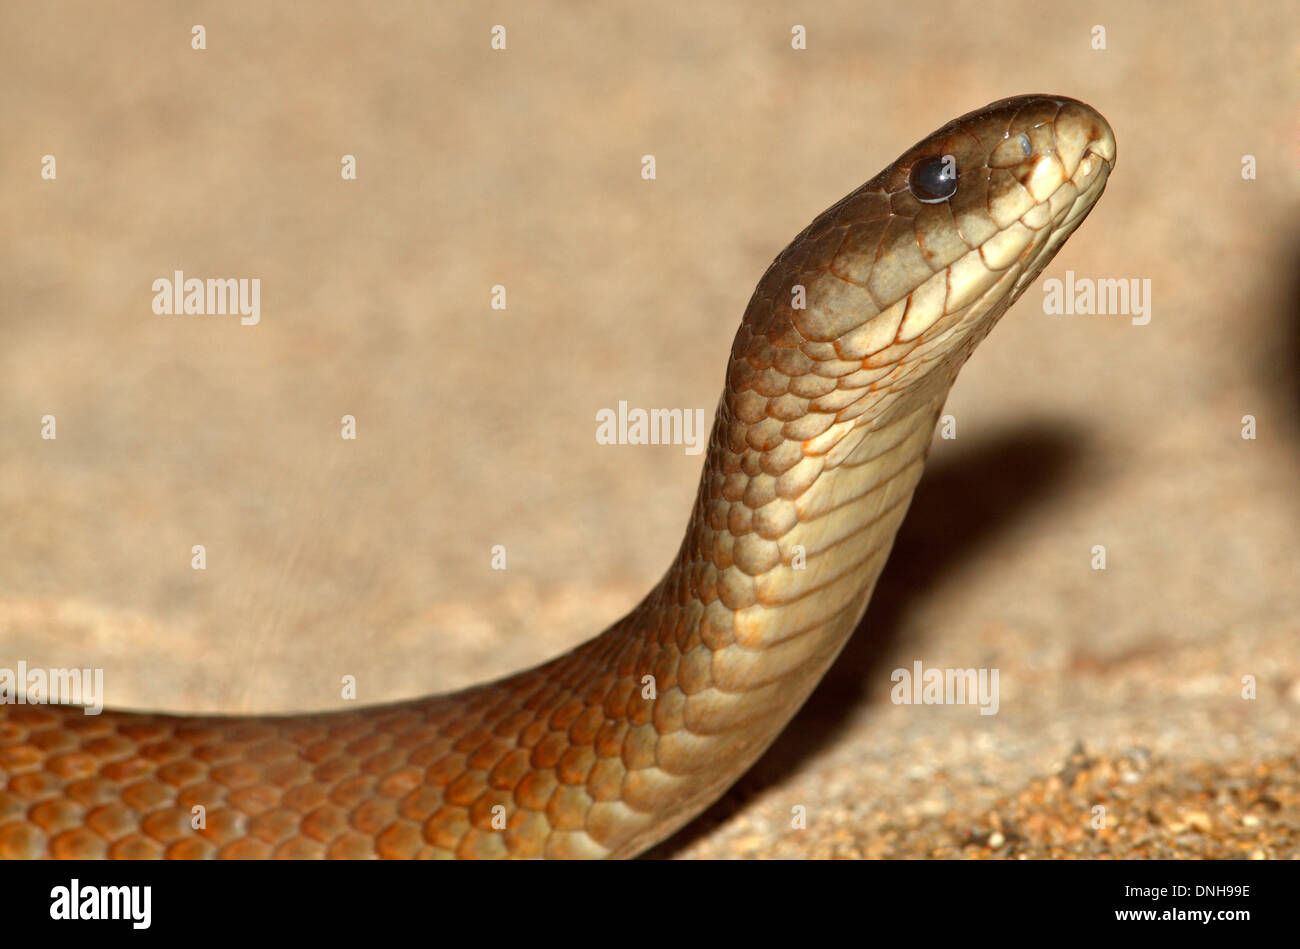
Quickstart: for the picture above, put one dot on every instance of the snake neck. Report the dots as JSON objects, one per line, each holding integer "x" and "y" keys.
{"x": 787, "y": 538}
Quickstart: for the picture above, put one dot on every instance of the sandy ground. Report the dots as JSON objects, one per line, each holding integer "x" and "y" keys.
{"x": 1119, "y": 688}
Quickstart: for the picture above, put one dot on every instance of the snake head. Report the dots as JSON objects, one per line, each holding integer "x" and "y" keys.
{"x": 1032, "y": 163}
{"x": 893, "y": 286}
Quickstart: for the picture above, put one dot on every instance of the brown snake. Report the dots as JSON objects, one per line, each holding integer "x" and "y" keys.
{"x": 837, "y": 376}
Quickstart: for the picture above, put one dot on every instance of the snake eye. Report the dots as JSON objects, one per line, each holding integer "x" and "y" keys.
{"x": 933, "y": 179}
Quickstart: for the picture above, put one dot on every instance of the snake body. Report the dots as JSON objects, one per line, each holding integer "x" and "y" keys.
{"x": 836, "y": 379}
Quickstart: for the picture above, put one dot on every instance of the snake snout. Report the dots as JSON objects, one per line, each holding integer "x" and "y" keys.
{"x": 1082, "y": 133}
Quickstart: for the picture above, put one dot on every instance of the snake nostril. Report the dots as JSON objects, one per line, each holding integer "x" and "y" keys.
{"x": 1100, "y": 148}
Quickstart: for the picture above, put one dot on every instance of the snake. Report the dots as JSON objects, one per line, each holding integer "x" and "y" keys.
{"x": 835, "y": 382}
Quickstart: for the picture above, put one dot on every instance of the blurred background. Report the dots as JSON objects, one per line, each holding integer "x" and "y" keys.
{"x": 476, "y": 427}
